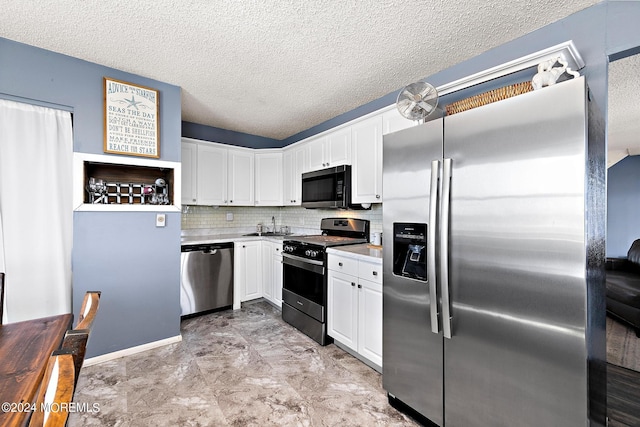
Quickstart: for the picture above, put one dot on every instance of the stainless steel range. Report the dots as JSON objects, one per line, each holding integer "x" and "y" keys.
{"x": 304, "y": 293}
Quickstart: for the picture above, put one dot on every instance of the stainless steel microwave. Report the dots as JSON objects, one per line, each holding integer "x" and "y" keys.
{"x": 327, "y": 188}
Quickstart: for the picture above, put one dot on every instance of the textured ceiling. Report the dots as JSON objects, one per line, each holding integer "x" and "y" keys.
{"x": 276, "y": 67}
{"x": 624, "y": 108}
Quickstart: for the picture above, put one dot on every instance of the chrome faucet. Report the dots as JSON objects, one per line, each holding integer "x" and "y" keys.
{"x": 273, "y": 221}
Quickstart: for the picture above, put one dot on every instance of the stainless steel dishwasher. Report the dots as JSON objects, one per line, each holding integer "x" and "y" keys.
{"x": 206, "y": 277}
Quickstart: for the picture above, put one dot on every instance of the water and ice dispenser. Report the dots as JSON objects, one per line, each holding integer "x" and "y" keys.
{"x": 410, "y": 250}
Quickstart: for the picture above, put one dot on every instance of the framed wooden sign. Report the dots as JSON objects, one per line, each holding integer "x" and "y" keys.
{"x": 131, "y": 124}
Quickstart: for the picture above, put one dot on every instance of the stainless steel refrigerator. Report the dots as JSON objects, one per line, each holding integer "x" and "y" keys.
{"x": 493, "y": 292}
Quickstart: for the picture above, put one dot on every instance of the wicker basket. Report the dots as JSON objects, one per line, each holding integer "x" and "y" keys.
{"x": 489, "y": 97}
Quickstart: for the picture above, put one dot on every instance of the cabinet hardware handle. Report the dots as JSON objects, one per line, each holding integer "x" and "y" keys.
{"x": 194, "y": 200}
{"x": 359, "y": 286}
{"x": 353, "y": 284}
{"x": 243, "y": 246}
{"x": 377, "y": 196}
{"x": 230, "y": 201}
{"x": 340, "y": 264}
{"x": 375, "y": 273}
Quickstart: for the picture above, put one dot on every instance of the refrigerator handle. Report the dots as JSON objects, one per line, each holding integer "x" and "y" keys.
{"x": 431, "y": 245}
{"x": 444, "y": 247}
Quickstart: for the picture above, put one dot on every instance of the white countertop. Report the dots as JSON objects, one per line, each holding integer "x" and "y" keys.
{"x": 364, "y": 251}
{"x": 224, "y": 238}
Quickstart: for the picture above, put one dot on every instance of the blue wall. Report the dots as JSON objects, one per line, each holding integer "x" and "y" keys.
{"x": 134, "y": 264}
{"x": 623, "y": 206}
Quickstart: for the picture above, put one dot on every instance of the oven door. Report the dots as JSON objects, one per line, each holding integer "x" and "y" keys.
{"x": 304, "y": 286}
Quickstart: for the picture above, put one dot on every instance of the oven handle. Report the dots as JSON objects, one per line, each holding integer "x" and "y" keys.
{"x": 304, "y": 263}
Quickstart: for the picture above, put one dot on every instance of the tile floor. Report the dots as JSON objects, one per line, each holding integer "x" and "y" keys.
{"x": 236, "y": 368}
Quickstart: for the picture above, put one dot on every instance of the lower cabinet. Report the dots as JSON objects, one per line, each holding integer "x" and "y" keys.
{"x": 247, "y": 270}
{"x": 355, "y": 306}
{"x": 272, "y": 272}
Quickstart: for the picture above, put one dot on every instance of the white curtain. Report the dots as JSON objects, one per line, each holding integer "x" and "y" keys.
{"x": 36, "y": 211}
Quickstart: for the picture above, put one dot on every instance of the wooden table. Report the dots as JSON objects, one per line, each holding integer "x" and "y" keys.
{"x": 25, "y": 348}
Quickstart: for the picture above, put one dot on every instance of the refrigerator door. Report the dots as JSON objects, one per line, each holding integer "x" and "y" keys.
{"x": 412, "y": 353}
{"x": 517, "y": 262}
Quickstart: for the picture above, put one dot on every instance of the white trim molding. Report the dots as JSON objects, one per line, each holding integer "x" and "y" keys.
{"x": 131, "y": 350}
{"x": 567, "y": 51}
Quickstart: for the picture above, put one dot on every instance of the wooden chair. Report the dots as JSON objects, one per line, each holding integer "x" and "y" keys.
{"x": 75, "y": 342}
{"x": 56, "y": 392}
{"x": 1, "y": 296}
{"x": 88, "y": 310}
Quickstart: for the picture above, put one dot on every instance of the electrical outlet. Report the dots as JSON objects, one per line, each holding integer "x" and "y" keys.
{"x": 229, "y": 216}
{"x": 161, "y": 220}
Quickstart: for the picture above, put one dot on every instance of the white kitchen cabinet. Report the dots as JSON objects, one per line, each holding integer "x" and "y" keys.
{"x": 272, "y": 272}
{"x": 277, "y": 275}
{"x": 355, "y": 306}
{"x": 333, "y": 149}
{"x": 366, "y": 171}
{"x": 393, "y": 121}
{"x": 268, "y": 179}
{"x": 212, "y": 179}
{"x": 247, "y": 270}
{"x": 370, "y": 320}
{"x": 342, "y": 321}
{"x": 216, "y": 174}
{"x": 293, "y": 166}
{"x": 241, "y": 177}
{"x": 189, "y": 158}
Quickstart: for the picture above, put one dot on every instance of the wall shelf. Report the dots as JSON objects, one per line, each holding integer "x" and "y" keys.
{"x": 125, "y": 170}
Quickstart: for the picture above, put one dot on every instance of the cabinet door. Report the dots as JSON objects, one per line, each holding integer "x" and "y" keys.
{"x": 189, "y": 158}
{"x": 338, "y": 150}
{"x": 241, "y": 177}
{"x": 370, "y": 320}
{"x": 287, "y": 182}
{"x": 393, "y": 121}
{"x": 267, "y": 269}
{"x": 293, "y": 166}
{"x": 367, "y": 161}
{"x": 316, "y": 154}
{"x": 342, "y": 320}
{"x": 212, "y": 175}
{"x": 250, "y": 257}
{"x": 277, "y": 277}
{"x": 268, "y": 180}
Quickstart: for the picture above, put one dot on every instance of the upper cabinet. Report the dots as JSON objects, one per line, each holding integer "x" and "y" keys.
{"x": 393, "y": 121}
{"x": 293, "y": 166}
{"x": 268, "y": 180}
{"x": 366, "y": 170}
{"x": 333, "y": 149}
{"x": 241, "y": 177}
{"x": 218, "y": 175}
{"x": 189, "y": 172}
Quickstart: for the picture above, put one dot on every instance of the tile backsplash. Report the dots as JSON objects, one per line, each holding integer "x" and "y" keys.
{"x": 245, "y": 219}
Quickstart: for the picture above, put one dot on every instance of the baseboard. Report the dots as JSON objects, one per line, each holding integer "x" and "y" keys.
{"x": 131, "y": 350}
{"x": 358, "y": 356}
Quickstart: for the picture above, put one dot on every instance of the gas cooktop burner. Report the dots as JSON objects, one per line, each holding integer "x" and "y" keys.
{"x": 327, "y": 241}
{"x": 336, "y": 231}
